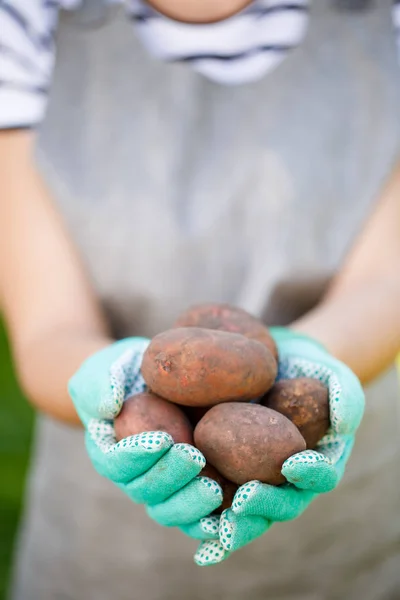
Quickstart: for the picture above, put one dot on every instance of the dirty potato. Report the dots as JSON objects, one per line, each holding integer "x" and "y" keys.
{"x": 305, "y": 402}
{"x": 147, "y": 412}
{"x": 225, "y": 317}
{"x": 202, "y": 367}
{"x": 247, "y": 441}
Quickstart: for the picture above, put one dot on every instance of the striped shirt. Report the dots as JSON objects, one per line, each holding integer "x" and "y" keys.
{"x": 237, "y": 50}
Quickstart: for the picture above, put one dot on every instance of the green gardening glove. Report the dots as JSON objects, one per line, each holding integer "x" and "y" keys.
{"x": 150, "y": 468}
{"x": 256, "y": 505}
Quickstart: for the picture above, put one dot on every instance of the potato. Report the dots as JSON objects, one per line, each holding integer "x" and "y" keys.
{"x": 305, "y": 402}
{"x": 201, "y": 367}
{"x": 228, "y": 488}
{"x": 247, "y": 441}
{"x": 148, "y": 412}
{"x": 227, "y": 318}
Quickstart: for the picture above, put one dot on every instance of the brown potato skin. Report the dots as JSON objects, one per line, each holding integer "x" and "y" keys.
{"x": 247, "y": 441}
{"x": 202, "y": 367}
{"x": 225, "y": 317}
{"x": 228, "y": 487}
{"x": 305, "y": 402}
{"x": 148, "y": 412}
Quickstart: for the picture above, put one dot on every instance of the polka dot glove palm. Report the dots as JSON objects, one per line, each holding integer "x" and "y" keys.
{"x": 148, "y": 467}
{"x": 256, "y": 505}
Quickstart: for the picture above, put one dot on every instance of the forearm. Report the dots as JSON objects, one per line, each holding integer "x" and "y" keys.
{"x": 46, "y": 364}
{"x": 51, "y": 312}
{"x": 359, "y": 319}
{"x": 360, "y": 327}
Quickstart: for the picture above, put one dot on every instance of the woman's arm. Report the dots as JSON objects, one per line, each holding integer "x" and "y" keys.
{"x": 52, "y": 315}
{"x": 359, "y": 319}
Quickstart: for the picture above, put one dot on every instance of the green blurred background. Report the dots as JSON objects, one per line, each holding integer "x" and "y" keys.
{"x": 16, "y": 420}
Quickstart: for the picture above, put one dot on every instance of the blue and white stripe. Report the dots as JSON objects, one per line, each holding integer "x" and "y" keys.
{"x": 396, "y": 21}
{"x": 240, "y": 49}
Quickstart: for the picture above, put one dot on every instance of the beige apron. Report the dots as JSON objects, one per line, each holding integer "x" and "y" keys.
{"x": 179, "y": 190}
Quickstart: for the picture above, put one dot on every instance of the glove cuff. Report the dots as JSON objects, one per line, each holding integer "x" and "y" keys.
{"x": 99, "y": 386}
{"x": 286, "y": 334}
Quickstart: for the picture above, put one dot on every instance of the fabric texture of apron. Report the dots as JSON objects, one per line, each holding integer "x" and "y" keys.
{"x": 179, "y": 190}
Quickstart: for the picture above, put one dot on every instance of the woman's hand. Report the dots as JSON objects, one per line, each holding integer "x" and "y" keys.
{"x": 149, "y": 467}
{"x": 257, "y": 505}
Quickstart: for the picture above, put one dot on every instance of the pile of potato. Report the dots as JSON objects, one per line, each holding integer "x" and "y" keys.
{"x": 211, "y": 383}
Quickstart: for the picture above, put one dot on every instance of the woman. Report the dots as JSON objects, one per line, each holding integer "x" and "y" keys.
{"x": 206, "y": 175}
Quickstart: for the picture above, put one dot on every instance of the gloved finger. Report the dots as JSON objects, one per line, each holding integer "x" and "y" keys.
{"x": 123, "y": 461}
{"x": 236, "y": 531}
{"x": 197, "y": 499}
{"x": 206, "y": 528}
{"x": 346, "y": 399}
{"x": 210, "y": 553}
{"x": 274, "y": 503}
{"x": 319, "y": 471}
{"x": 103, "y": 381}
{"x": 172, "y": 472}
